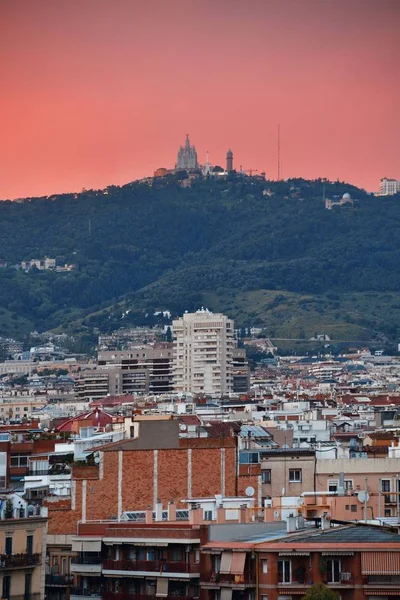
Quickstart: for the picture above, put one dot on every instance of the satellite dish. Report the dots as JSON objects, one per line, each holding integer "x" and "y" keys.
{"x": 363, "y": 496}
{"x": 250, "y": 491}
{"x": 96, "y": 460}
{"x": 182, "y": 427}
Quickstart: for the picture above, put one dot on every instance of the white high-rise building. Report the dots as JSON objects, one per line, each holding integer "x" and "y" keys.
{"x": 203, "y": 347}
{"x": 389, "y": 187}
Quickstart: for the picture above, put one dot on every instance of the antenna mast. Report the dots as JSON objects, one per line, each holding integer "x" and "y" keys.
{"x": 279, "y": 152}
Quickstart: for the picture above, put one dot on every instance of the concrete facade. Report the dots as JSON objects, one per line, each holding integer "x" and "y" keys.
{"x": 203, "y": 350}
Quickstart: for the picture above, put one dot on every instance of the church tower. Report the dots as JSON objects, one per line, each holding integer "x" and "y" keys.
{"x": 187, "y": 156}
{"x": 229, "y": 161}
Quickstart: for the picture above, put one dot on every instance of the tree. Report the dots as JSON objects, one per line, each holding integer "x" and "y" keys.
{"x": 319, "y": 591}
{"x": 9, "y": 509}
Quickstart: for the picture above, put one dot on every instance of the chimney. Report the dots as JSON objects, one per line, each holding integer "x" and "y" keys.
{"x": 291, "y": 524}
{"x": 158, "y": 510}
{"x": 325, "y": 522}
{"x": 171, "y": 511}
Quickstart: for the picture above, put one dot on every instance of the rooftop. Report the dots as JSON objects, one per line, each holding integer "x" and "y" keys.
{"x": 348, "y": 534}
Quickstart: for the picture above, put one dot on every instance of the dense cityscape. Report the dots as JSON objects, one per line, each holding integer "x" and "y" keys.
{"x": 200, "y": 300}
{"x": 173, "y": 469}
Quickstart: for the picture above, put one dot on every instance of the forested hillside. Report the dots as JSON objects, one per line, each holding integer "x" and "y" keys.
{"x": 265, "y": 252}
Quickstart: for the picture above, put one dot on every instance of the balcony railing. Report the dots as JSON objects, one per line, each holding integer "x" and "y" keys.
{"x": 156, "y": 566}
{"x": 87, "y": 593}
{"x": 50, "y": 471}
{"x": 86, "y": 560}
{"x": 17, "y": 561}
{"x": 23, "y": 597}
{"x": 58, "y": 580}
{"x": 125, "y": 596}
{"x": 229, "y": 579}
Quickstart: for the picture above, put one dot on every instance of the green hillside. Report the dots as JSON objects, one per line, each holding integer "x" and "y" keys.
{"x": 267, "y": 253}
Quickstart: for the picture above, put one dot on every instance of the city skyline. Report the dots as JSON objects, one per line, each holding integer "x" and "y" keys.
{"x": 103, "y": 92}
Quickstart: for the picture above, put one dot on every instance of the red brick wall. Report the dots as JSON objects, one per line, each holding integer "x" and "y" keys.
{"x": 173, "y": 475}
{"x": 88, "y": 472}
{"x": 137, "y": 487}
{"x": 137, "y": 483}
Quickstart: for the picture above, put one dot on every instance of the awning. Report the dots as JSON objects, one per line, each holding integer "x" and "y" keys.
{"x": 238, "y": 560}
{"x": 294, "y": 553}
{"x": 91, "y": 546}
{"x": 338, "y": 553}
{"x": 381, "y": 592}
{"x": 162, "y": 587}
{"x": 77, "y": 545}
{"x": 127, "y": 541}
{"x": 226, "y": 561}
{"x": 226, "y": 593}
{"x": 380, "y": 563}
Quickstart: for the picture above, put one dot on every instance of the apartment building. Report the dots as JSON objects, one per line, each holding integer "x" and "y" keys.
{"x": 240, "y": 371}
{"x": 22, "y": 556}
{"x": 357, "y": 562}
{"x": 203, "y": 353}
{"x": 116, "y": 561}
{"x": 389, "y": 187}
{"x": 144, "y": 369}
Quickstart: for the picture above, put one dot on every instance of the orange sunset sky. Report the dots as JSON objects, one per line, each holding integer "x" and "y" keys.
{"x": 101, "y": 92}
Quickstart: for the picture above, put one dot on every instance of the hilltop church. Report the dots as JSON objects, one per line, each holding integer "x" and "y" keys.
{"x": 187, "y": 156}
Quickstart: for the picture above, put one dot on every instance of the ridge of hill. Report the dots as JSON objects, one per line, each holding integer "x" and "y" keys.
{"x": 266, "y": 253}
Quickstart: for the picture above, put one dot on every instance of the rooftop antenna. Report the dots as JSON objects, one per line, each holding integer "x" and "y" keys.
{"x": 279, "y": 152}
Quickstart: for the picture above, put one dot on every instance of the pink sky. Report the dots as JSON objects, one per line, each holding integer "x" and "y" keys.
{"x": 101, "y": 92}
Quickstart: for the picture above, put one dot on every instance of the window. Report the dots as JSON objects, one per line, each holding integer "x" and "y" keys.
{"x": 264, "y": 565}
{"x": 332, "y": 485}
{"x": 177, "y": 554}
{"x": 150, "y": 554}
{"x": 246, "y": 458}
{"x": 348, "y": 484}
{"x": 264, "y": 597}
{"x": 6, "y": 587}
{"x": 29, "y": 544}
{"x": 385, "y": 487}
{"x": 19, "y": 461}
{"x": 217, "y": 563}
{"x": 284, "y": 571}
{"x": 294, "y": 475}
{"x": 3, "y": 470}
{"x": 8, "y": 546}
{"x": 208, "y": 516}
{"x": 266, "y": 476}
{"x": 353, "y": 508}
{"x": 388, "y": 512}
{"x": 64, "y": 566}
{"x": 333, "y": 570}
{"x": 197, "y": 556}
{"x": 28, "y": 586}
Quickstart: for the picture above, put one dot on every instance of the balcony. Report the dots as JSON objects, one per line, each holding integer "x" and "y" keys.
{"x": 77, "y": 593}
{"x": 86, "y": 564}
{"x": 24, "y": 597}
{"x": 150, "y": 566}
{"x": 213, "y": 580}
{"x": 58, "y": 580}
{"x": 133, "y": 596}
{"x": 19, "y": 561}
